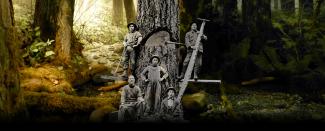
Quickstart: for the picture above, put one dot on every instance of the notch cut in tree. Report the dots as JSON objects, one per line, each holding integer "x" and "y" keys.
{"x": 157, "y": 14}
{"x": 156, "y": 44}
{"x": 158, "y": 22}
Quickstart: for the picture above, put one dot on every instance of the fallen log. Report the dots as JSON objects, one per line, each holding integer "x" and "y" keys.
{"x": 204, "y": 81}
{"x": 257, "y": 80}
{"x": 115, "y": 86}
{"x": 68, "y": 104}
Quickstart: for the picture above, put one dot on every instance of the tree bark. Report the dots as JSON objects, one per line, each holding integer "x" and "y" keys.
{"x": 11, "y": 99}
{"x": 154, "y": 14}
{"x": 55, "y": 19}
{"x": 158, "y": 15}
{"x": 117, "y": 12}
{"x": 129, "y": 11}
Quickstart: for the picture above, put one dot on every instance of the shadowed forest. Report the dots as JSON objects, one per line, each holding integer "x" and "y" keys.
{"x": 57, "y": 58}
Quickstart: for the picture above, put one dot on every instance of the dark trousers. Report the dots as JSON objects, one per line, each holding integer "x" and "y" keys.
{"x": 128, "y": 56}
{"x": 197, "y": 64}
{"x": 131, "y": 111}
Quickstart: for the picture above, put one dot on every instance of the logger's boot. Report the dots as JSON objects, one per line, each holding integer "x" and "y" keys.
{"x": 195, "y": 77}
{"x": 181, "y": 77}
{"x": 183, "y": 72}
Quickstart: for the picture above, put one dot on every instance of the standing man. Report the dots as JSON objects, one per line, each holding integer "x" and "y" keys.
{"x": 132, "y": 103}
{"x": 190, "y": 40}
{"x": 153, "y": 75}
{"x": 131, "y": 40}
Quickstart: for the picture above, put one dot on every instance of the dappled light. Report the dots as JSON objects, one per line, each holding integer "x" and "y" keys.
{"x": 93, "y": 22}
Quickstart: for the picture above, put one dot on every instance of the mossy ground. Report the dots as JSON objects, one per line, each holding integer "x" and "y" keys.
{"x": 48, "y": 101}
{"x": 249, "y": 104}
{"x": 57, "y": 94}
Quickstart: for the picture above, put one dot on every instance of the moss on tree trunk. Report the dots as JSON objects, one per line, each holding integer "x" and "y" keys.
{"x": 11, "y": 102}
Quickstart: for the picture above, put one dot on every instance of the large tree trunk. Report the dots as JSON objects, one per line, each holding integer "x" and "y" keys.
{"x": 297, "y": 7}
{"x": 257, "y": 18}
{"x": 55, "y": 19}
{"x": 230, "y": 7}
{"x": 11, "y": 100}
{"x": 272, "y": 5}
{"x": 117, "y": 12}
{"x": 239, "y": 5}
{"x": 279, "y": 5}
{"x": 156, "y": 15}
{"x": 129, "y": 11}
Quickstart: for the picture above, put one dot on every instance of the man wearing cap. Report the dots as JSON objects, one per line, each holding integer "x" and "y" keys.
{"x": 190, "y": 41}
{"x": 171, "y": 109}
{"x": 131, "y": 102}
{"x": 152, "y": 75}
{"x": 131, "y": 40}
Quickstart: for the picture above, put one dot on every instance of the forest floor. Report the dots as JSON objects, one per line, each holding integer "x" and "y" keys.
{"x": 50, "y": 97}
{"x": 68, "y": 94}
{"x": 259, "y": 104}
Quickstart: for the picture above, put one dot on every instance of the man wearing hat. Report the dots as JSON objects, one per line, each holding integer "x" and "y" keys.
{"x": 171, "y": 109}
{"x": 131, "y": 40}
{"x": 152, "y": 75}
{"x": 190, "y": 41}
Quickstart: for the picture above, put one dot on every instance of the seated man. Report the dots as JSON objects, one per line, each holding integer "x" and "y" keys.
{"x": 131, "y": 102}
{"x": 171, "y": 109}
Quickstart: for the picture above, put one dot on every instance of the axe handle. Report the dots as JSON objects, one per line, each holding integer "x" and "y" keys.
{"x": 118, "y": 65}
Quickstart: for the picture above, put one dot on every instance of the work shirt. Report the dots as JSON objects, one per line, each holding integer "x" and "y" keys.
{"x": 131, "y": 39}
{"x": 190, "y": 40}
{"x": 154, "y": 73}
{"x": 130, "y": 94}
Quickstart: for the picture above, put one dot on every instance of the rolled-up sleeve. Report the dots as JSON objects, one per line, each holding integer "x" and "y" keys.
{"x": 138, "y": 35}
